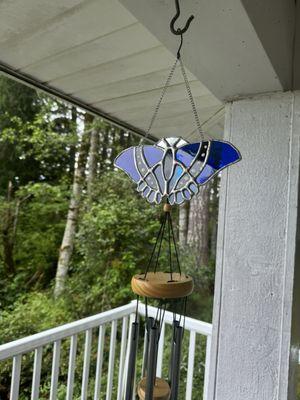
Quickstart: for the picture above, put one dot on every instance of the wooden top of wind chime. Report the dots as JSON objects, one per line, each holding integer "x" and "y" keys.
{"x": 161, "y": 389}
{"x": 158, "y": 285}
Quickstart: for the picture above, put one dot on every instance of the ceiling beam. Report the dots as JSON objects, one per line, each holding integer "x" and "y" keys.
{"x": 235, "y": 48}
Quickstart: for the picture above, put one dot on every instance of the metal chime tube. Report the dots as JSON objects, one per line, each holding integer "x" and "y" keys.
{"x": 151, "y": 366}
{"x": 149, "y": 325}
{"x": 175, "y": 374}
{"x": 174, "y": 326}
{"x": 132, "y": 360}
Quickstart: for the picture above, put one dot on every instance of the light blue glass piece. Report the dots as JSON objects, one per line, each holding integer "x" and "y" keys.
{"x": 171, "y": 199}
{"x": 179, "y": 198}
{"x": 125, "y": 161}
{"x": 160, "y": 179}
{"x": 151, "y": 197}
{"x": 206, "y": 174}
{"x": 186, "y": 194}
{"x": 193, "y": 188}
{"x": 178, "y": 171}
{"x": 152, "y": 155}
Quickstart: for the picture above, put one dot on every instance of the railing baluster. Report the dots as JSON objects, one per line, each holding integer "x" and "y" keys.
{"x": 71, "y": 370}
{"x": 144, "y": 353}
{"x": 131, "y": 319}
{"x": 207, "y": 366}
{"x": 86, "y": 364}
{"x": 99, "y": 362}
{"x": 112, "y": 348}
{"x": 190, "y": 369}
{"x": 160, "y": 351}
{"x": 15, "y": 378}
{"x": 55, "y": 370}
{"x": 122, "y": 357}
{"x": 36, "y": 376}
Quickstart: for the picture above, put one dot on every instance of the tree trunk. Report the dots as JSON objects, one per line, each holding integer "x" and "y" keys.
{"x": 8, "y": 233}
{"x": 183, "y": 223}
{"x": 198, "y": 229}
{"x": 67, "y": 245}
{"x": 93, "y": 161}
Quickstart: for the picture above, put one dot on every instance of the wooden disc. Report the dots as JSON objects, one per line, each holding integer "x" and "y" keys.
{"x": 158, "y": 285}
{"x": 161, "y": 390}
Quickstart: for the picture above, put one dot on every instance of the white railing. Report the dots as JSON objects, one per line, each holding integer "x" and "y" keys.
{"x": 122, "y": 315}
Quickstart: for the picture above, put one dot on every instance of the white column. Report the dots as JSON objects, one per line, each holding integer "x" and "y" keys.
{"x": 256, "y": 254}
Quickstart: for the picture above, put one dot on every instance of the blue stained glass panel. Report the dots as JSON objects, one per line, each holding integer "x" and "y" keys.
{"x": 126, "y": 161}
{"x": 184, "y": 156}
{"x": 193, "y": 188}
{"x": 151, "y": 197}
{"x": 157, "y": 168}
{"x": 152, "y": 155}
{"x": 221, "y": 154}
{"x": 177, "y": 173}
{"x": 186, "y": 194}
{"x": 179, "y": 198}
{"x": 205, "y": 174}
{"x": 191, "y": 148}
{"x": 159, "y": 178}
{"x": 172, "y": 198}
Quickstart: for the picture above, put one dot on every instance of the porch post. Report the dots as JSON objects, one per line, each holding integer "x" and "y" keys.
{"x": 254, "y": 354}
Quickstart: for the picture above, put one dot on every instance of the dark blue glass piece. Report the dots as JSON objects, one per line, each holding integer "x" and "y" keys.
{"x": 125, "y": 161}
{"x": 152, "y": 155}
{"x": 222, "y": 154}
{"x": 186, "y": 154}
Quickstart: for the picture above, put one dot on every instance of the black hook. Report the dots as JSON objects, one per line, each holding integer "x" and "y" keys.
{"x": 179, "y": 31}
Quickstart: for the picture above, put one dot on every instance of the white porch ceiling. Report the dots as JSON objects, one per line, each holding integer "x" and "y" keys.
{"x": 96, "y": 52}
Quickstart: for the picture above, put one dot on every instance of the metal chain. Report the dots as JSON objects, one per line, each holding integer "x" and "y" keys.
{"x": 165, "y": 88}
{"x": 190, "y": 96}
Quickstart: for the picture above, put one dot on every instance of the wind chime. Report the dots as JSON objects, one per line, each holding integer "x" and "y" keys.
{"x": 172, "y": 171}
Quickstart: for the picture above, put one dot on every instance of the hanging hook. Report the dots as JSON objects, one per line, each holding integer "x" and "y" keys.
{"x": 179, "y": 31}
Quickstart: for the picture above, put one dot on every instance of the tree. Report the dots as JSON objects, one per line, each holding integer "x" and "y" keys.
{"x": 66, "y": 248}
{"x": 183, "y": 223}
{"x": 198, "y": 231}
{"x": 93, "y": 159}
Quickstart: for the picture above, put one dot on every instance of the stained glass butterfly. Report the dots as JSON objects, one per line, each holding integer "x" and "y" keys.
{"x": 173, "y": 168}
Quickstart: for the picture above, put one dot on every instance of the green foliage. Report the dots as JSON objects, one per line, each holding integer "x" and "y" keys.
{"x": 113, "y": 242}
{"x": 115, "y": 234}
{"x": 40, "y": 225}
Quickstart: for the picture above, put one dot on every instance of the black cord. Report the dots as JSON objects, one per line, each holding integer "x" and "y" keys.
{"x": 175, "y": 247}
{"x": 160, "y": 243}
{"x": 170, "y": 249}
{"x": 137, "y": 308}
{"x": 154, "y": 248}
